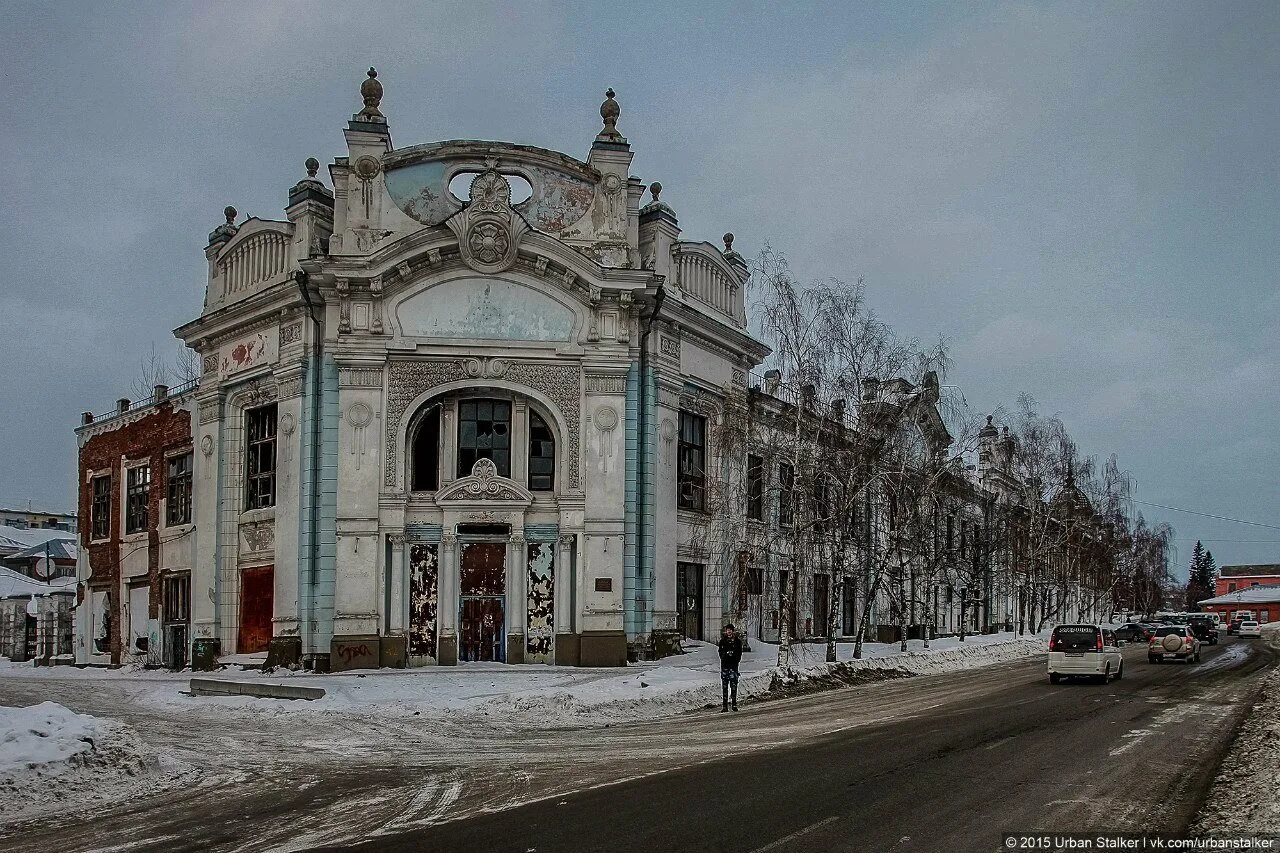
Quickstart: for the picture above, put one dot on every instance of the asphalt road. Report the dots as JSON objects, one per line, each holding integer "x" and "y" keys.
{"x": 1019, "y": 755}
{"x": 937, "y": 763}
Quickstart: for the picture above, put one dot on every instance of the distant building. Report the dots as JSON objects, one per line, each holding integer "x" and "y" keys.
{"x": 1262, "y": 599}
{"x": 135, "y": 480}
{"x": 28, "y": 518}
{"x": 1233, "y": 578}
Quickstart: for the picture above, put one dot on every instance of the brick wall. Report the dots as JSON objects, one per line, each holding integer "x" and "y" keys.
{"x": 155, "y": 435}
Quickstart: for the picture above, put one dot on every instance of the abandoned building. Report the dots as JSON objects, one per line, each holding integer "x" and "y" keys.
{"x": 438, "y": 419}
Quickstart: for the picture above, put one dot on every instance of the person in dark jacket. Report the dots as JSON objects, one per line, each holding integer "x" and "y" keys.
{"x": 730, "y": 655}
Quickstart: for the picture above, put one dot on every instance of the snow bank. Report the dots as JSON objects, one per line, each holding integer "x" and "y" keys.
{"x": 51, "y": 757}
{"x": 1243, "y": 797}
{"x": 538, "y": 696}
{"x": 692, "y": 680}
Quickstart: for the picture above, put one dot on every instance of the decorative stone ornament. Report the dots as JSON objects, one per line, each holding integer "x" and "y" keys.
{"x": 371, "y": 92}
{"x": 227, "y": 230}
{"x": 609, "y": 111}
{"x": 488, "y": 229}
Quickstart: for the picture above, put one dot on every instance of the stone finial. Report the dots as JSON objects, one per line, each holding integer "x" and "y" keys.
{"x": 988, "y": 431}
{"x": 728, "y": 242}
{"x": 609, "y": 111}
{"x": 313, "y": 166}
{"x": 371, "y": 92}
{"x": 226, "y": 230}
{"x": 655, "y": 190}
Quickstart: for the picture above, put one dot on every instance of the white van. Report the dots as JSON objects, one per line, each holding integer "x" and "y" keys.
{"x": 1088, "y": 650}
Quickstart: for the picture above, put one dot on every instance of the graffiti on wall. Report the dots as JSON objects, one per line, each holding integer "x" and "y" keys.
{"x": 540, "y": 632}
{"x": 423, "y": 585}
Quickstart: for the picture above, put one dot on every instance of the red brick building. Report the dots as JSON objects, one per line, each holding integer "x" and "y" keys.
{"x": 135, "y": 488}
{"x": 1235, "y": 578}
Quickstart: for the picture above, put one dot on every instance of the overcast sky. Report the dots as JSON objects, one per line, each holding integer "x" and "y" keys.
{"x": 1083, "y": 198}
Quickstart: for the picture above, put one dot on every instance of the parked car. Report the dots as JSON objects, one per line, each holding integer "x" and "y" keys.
{"x": 1233, "y": 626}
{"x": 1133, "y": 632}
{"x": 1173, "y": 641}
{"x": 1205, "y": 628}
{"x": 1250, "y": 628}
{"x": 1087, "y": 650}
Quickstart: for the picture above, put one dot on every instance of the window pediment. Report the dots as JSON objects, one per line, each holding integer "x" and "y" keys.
{"x": 484, "y": 485}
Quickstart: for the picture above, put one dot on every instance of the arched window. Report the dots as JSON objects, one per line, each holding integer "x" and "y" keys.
{"x": 426, "y": 452}
{"x": 542, "y": 455}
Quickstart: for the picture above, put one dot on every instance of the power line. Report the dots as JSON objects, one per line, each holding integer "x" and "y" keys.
{"x": 1210, "y": 515}
{"x": 1247, "y": 541}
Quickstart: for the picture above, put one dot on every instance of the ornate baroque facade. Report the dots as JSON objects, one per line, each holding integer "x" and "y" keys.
{"x": 440, "y": 405}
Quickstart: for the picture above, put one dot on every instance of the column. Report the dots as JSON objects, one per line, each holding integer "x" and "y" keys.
{"x": 565, "y": 618}
{"x": 447, "y": 601}
{"x": 517, "y": 596}
{"x": 398, "y": 584}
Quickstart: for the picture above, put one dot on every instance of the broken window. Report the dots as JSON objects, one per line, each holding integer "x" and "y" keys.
{"x": 137, "y": 487}
{"x": 786, "y": 482}
{"x": 755, "y": 488}
{"x": 260, "y": 480}
{"x": 426, "y": 452}
{"x": 692, "y": 477}
{"x": 484, "y": 432}
{"x": 178, "y": 481}
{"x": 542, "y": 455}
{"x": 100, "y": 512}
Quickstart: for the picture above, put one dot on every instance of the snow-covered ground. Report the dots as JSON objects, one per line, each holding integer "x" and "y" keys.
{"x": 52, "y": 758}
{"x": 1244, "y": 799}
{"x": 543, "y": 696}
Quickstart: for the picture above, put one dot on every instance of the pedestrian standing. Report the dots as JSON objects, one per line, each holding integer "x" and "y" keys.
{"x": 730, "y": 655}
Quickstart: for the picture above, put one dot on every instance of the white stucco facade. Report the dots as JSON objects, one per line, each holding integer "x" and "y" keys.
{"x": 433, "y": 428}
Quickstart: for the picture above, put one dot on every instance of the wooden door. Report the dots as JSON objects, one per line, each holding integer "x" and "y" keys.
{"x": 257, "y": 597}
{"x": 689, "y": 600}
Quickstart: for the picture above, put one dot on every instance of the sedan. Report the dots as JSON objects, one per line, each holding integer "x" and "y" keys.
{"x": 1249, "y": 628}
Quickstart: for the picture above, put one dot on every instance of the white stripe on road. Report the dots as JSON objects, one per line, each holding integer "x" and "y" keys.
{"x": 793, "y": 836}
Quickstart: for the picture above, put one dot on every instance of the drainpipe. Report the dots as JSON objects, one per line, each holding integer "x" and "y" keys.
{"x": 643, "y": 533}
{"x": 313, "y": 488}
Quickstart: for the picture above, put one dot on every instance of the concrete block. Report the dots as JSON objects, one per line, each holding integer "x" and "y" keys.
{"x": 221, "y": 687}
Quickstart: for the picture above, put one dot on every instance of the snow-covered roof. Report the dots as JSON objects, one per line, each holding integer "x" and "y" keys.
{"x": 19, "y": 538}
{"x": 1260, "y": 594}
{"x": 13, "y": 583}
{"x": 53, "y": 548}
{"x": 1255, "y": 570}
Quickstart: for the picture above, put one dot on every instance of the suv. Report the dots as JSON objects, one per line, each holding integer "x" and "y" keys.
{"x": 1088, "y": 650}
{"x": 1173, "y": 641}
{"x": 1205, "y": 628}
